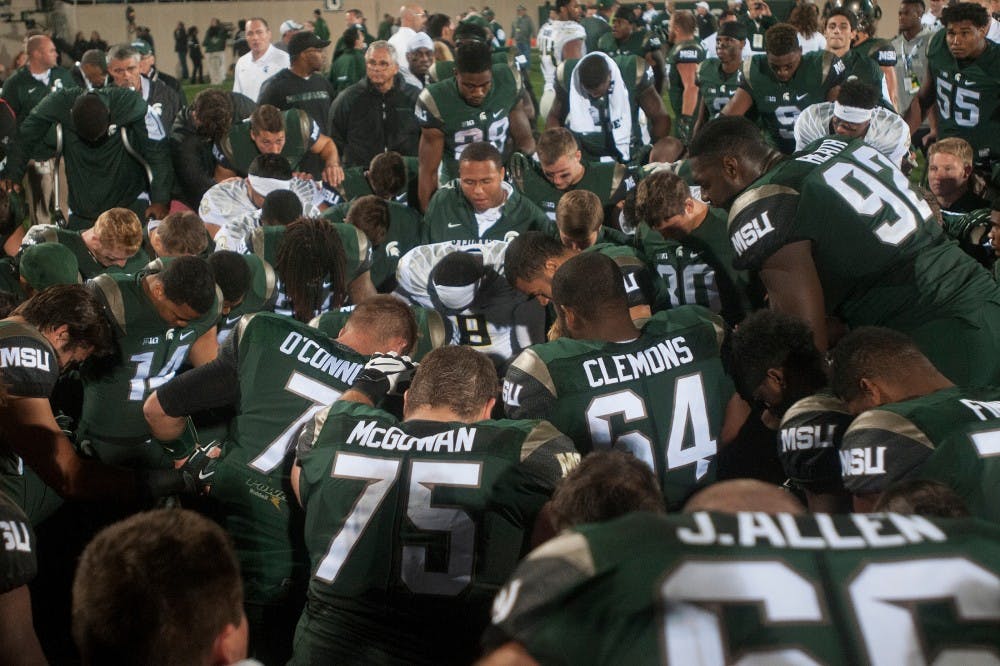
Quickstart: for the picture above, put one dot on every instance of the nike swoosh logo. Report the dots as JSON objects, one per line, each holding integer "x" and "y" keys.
{"x": 498, "y": 113}
{"x": 202, "y": 476}
{"x": 452, "y": 225}
{"x": 232, "y": 320}
{"x": 31, "y": 91}
{"x": 185, "y": 334}
{"x": 799, "y": 98}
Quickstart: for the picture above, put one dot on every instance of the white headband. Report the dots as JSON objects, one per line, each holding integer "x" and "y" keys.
{"x": 458, "y": 297}
{"x": 264, "y": 186}
{"x": 851, "y": 114}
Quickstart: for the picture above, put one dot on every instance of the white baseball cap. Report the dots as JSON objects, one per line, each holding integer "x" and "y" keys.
{"x": 289, "y": 25}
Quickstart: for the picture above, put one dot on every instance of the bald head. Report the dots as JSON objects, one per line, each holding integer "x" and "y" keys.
{"x": 412, "y": 16}
{"x": 744, "y": 495}
{"x": 42, "y": 55}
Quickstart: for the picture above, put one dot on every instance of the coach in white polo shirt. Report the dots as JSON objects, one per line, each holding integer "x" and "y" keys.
{"x": 261, "y": 63}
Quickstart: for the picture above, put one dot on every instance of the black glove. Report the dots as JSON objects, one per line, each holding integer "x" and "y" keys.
{"x": 194, "y": 476}
{"x": 385, "y": 374}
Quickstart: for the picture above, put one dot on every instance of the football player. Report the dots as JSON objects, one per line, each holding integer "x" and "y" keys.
{"x": 412, "y": 524}
{"x": 277, "y": 373}
{"x": 613, "y": 373}
{"x": 963, "y": 80}
{"x": 913, "y": 422}
{"x": 481, "y": 103}
{"x": 782, "y": 82}
{"x": 838, "y": 230}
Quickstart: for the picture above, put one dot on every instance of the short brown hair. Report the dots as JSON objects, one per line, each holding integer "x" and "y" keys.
{"x": 370, "y": 214}
{"x": 554, "y": 143}
{"x": 660, "y": 197}
{"x": 267, "y": 118}
{"x": 459, "y": 378}
{"x": 182, "y": 233}
{"x": 960, "y": 148}
{"x": 387, "y": 174}
{"x": 384, "y": 317}
{"x": 156, "y": 588}
{"x": 579, "y": 213}
{"x": 605, "y": 485}
{"x": 74, "y": 306}
{"x": 119, "y": 228}
{"x": 684, "y": 20}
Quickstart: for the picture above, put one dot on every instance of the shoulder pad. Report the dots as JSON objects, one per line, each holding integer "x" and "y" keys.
{"x": 428, "y": 101}
{"x": 759, "y": 222}
{"x": 241, "y": 327}
{"x": 41, "y": 233}
{"x": 106, "y": 289}
{"x": 257, "y": 243}
{"x": 436, "y": 329}
{"x": 304, "y": 122}
{"x": 532, "y": 365}
{"x": 889, "y": 421}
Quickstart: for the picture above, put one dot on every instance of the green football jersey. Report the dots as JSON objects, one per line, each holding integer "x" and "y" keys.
{"x": 595, "y": 27}
{"x": 699, "y": 270}
{"x": 639, "y": 43}
{"x": 717, "y": 87}
{"x": 412, "y": 527}
{"x": 150, "y": 352}
{"x": 637, "y": 76}
{"x": 809, "y": 441}
{"x": 968, "y": 97}
{"x": 779, "y": 104}
{"x": 440, "y": 106}
{"x": 858, "y": 65}
{"x": 708, "y": 588}
{"x": 287, "y": 373}
{"x": 18, "y": 564}
{"x": 89, "y": 267}
{"x": 450, "y": 217}
{"x": 262, "y": 294}
{"x": 880, "y": 257}
{"x": 967, "y": 463}
{"x": 880, "y": 50}
{"x": 609, "y": 394}
{"x": 355, "y": 183}
{"x": 265, "y": 241}
{"x": 405, "y": 228}
{"x": 643, "y": 285}
{"x": 431, "y": 331}
{"x": 682, "y": 53}
{"x": 30, "y": 369}
{"x": 237, "y": 150}
{"x": 891, "y": 442}
{"x": 610, "y": 181}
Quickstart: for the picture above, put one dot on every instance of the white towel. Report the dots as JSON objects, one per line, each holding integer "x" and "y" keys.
{"x": 583, "y": 117}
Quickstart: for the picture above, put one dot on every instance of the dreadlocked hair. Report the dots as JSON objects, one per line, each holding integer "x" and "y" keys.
{"x": 310, "y": 254}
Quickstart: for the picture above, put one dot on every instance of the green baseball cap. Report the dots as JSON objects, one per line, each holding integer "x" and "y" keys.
{"x": 606, "y": 4}
{"x": 476, "y": 19}
{"x": 143, "y": 47}
{"x": 48, "y": 264}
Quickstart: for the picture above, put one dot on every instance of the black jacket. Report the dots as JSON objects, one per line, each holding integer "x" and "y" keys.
{"x": 365, "y": 122}
{"x": 194, "y": 165}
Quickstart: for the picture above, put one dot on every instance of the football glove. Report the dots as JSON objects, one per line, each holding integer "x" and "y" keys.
{"x": 385, "y": 374}
{"x": 193, "y": 477}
